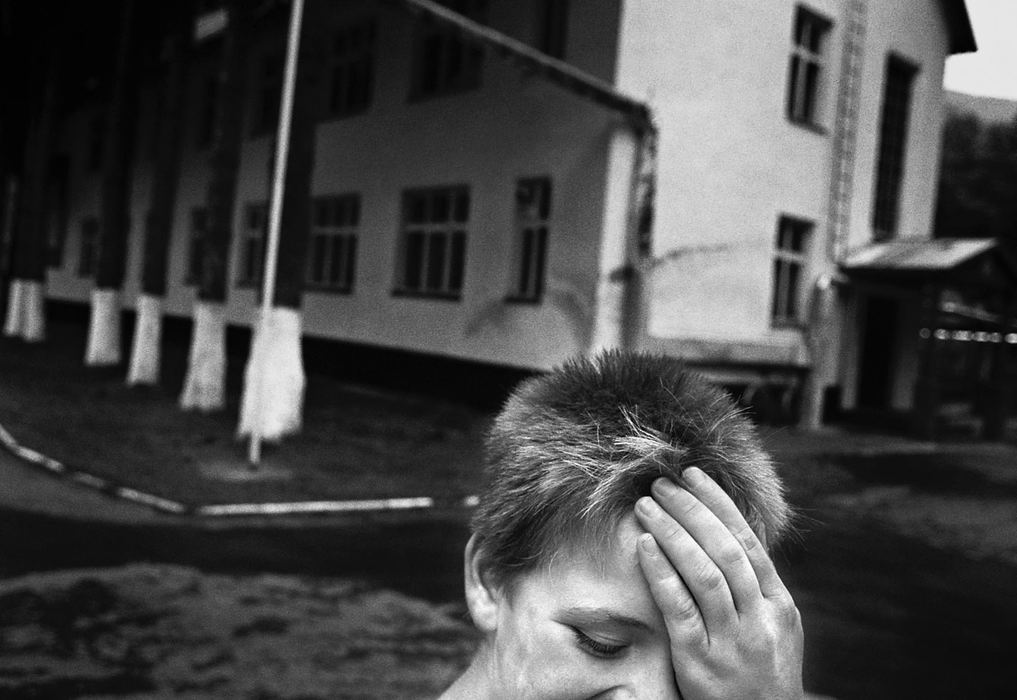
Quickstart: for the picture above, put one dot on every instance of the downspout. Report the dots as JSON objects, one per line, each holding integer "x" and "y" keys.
{"x": 639, "y": 240}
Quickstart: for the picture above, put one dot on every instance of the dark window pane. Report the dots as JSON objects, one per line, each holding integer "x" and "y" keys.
{"x": 793, "y": 108}
{"x": 462, "y": 206}
{"x": 414, "y": 260}
{"x": 541, "y": 255}
{"x": 545, "y": 199}
{"x": 430, "y": 64}
{"x": 416, "y": 209}
{"x": 318, "y": 255}
{"x": 440, "y": 207}
{"x": 811, "y": 84}
{"x": 337, "y": 264}
{"x": 775, "y": 302}
{"x": 793, "y": 272}
{"x": 458, "y": 262}
{"x": 525, "y": 260}
{"x": 351, "y": 261}
{"x": 436, "y": 250}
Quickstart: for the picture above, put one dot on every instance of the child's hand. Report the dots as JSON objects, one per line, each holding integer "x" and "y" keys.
{"x": 735, "y": 631}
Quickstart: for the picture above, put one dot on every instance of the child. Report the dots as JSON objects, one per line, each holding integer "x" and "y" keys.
{"x": 619, "y": 550}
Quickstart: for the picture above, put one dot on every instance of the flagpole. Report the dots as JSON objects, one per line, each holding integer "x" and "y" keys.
{"x": 274, "y": 220}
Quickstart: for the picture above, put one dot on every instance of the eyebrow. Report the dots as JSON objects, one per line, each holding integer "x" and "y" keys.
{"x": 593, "y": 615}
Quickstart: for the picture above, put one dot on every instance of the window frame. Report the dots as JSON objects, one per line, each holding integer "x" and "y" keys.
{"x": 265, "y": 105}
{"x": 342, "y": 234}
{"x": 531, "y": 231}
{"x": 427, "y": 228}
{"x": 810, "y": 34}
{"x": 553, "y": 27}
{"x": 451, "y": 47}
{"x": 790, "y": 263}
{"x": 892, "y": 147}
{"x": 346, "y": 63}
{"x": 205, "y": 111}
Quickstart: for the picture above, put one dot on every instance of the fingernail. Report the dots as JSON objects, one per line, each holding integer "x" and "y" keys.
{"x": 647, "y": 543}
{"x": 693, "y": 475}
{"x": 665, "y": 487}
{"x": 647, "y": 506}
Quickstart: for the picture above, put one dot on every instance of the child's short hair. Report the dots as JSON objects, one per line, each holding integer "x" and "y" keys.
{"x": 572, "y": 451}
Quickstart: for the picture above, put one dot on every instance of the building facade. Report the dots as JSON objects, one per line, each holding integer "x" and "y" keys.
{"x": 465, "y": 206}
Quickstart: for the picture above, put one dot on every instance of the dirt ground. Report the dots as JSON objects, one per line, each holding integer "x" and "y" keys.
{"x": 905, "y": 566}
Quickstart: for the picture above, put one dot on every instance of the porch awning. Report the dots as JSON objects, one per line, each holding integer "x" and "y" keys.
{"x": 962, "y": 261}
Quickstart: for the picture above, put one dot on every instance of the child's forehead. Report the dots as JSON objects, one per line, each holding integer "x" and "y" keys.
{"x": 603, "y": 547}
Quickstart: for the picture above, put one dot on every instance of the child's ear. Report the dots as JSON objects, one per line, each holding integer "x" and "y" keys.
{"x": 482, "y": 598}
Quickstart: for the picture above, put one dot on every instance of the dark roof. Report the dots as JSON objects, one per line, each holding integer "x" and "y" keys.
{"x": 921, "y": 255}
{"x": 971, "y": 262}
{"x": 962, "y": 36}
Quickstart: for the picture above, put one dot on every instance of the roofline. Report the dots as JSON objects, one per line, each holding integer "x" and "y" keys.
{"x": 958, "y": 25}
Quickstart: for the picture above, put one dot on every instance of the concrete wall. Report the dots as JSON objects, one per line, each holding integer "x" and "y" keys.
{"x": 515, "y": 125}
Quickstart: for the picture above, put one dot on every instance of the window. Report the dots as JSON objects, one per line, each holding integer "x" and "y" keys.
{"x": 788, "y": 264}
{"x": 88, "y": 251}
{"x": 252, "y": 245}
{"x": 352, "y": 78}
{"x": 893, "y": 133}
{"x": 553, "y": 27}
{"x": 333, "y": 251}
{"x": 433, "y": 241}
{"x": 196, "y": 243}
{"x": 266, "y": 100}
{"x": 805, "y": 73}
{"x": 533, "y": 208}
{"x": 444, "y": 60}
{"x": 205, "y": 123}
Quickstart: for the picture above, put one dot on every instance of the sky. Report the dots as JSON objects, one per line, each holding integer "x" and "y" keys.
{"x": 992, "y": 70}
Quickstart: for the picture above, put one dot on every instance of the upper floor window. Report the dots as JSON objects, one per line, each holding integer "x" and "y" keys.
{"x": 552, "y": 33}
{"x": 266, "y": 98}
{"x": 204, "y": 125}
{"x": 805, "y": 74}
{"x": 352, "y": 77}
{"x": 88, "y": 247}
{"x": 533, "y": 210}
{"x": 444, "y": 60}
{"x": 252, "y": 244}
{"x": 789, "y": 259}
{"x": 196, "y": 244}
{"x": 432, "y": 250}
{"x": 893, "y": 133}
{"x": 333, "y": 251}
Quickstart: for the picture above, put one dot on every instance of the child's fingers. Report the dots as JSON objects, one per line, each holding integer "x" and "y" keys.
{"x": 713, "y": 497}
{"x": 715, "y": 539}
{"x": 681, "y": 614}
{"x": 698, "y": 571}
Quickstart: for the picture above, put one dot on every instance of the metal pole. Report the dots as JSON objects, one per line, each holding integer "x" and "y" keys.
{"x": 275, "y": 215}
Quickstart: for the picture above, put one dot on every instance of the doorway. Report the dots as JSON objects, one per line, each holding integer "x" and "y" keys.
{"x": 879, "y": 340}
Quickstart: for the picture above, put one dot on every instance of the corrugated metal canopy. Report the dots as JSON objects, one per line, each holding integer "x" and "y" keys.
{"x": 936, "y": 255}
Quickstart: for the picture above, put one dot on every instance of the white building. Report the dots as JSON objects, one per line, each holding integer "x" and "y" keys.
{"x": 466, "y": 206}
